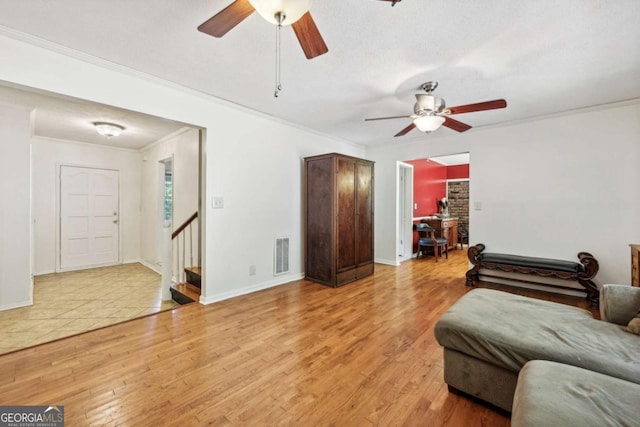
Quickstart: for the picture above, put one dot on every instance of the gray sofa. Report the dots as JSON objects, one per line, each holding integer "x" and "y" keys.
{"x": 488, "y": 336}
{"x": 552, "y": 394}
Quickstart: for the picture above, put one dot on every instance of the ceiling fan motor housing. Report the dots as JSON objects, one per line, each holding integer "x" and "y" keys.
{"x": 428, "y": 104}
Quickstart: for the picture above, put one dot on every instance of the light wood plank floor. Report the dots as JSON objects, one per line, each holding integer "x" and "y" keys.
{"x": 299, "y": 354}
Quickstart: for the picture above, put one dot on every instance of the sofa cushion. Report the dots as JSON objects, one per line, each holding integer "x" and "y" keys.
{"x": 634, "y": 325}
{"x": 552, "y": 394}
{"x": 619, "y": 303}
{"x": 509, "y": 330}
{"x": 532, "y": 262}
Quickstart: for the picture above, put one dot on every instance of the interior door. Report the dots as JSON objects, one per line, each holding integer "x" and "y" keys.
{"x": 89, "y": 217}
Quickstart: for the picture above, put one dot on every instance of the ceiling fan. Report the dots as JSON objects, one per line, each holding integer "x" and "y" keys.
{"x": 393, "y": 2}
{"x": 278, "y": 12}
{"x": 429, "y": 112}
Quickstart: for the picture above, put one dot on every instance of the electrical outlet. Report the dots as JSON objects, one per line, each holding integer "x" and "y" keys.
{"x": 477, "y": 206}
{"x": 252, "y": 270}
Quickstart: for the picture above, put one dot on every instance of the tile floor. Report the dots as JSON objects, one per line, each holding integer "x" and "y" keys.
{"x": 70, "y": 303}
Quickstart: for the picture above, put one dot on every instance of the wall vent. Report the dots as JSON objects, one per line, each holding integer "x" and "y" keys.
{"x": 281, "y": 256}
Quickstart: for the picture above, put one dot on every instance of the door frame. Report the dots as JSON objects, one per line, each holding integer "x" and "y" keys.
{"x": 404, "y": 212}
{"x": 161, "y": 222}
{"x": 58, "y": 220}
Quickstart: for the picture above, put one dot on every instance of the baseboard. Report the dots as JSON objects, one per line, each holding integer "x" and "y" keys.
{"x": 386, "y": 262}
{"x": 5, "y": 307}
{"x": 150, "y": 266}
{"x": 42, "y": 273}
{"x": 250, "y": 289}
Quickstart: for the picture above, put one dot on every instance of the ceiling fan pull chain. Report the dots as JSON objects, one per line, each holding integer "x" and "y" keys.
{"x": 278, "y": 49}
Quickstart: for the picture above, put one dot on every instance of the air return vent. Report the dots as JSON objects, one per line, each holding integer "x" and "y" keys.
{"x": 281, "y": 256}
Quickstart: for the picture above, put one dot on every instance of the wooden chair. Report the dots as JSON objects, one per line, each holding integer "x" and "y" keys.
{"x": 463, "y": 235}
{"x": 428, "y": 239}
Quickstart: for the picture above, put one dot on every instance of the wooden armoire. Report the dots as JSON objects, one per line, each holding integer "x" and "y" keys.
{"x": 338, "y": 219}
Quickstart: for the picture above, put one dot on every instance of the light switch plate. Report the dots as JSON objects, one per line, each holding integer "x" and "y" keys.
{"x": 477, "y": 206}
{"x": 217, "y": 202}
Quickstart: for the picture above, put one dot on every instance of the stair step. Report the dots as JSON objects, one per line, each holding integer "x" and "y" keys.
{"x": 194, "y": 276}
{"x": 185, "y": 293}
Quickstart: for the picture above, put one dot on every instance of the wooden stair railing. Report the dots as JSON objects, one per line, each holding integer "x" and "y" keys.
{"x": 178, "y": 236}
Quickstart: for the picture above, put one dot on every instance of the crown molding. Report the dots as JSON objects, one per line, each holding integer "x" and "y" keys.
{"x": 112, "y": 66}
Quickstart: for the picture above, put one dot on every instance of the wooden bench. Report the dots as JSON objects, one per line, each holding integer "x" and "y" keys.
{"x": 581, "y": 272}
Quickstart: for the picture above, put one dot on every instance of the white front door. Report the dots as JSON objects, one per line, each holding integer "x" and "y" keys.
{"x": 89, "y": 217}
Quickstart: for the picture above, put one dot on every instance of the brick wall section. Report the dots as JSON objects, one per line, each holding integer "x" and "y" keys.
{"x": 459, "y": 202}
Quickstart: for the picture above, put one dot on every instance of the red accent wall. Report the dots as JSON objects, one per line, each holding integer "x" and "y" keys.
{"x": 458, "y": 171}
{"x": 429, "y": 185}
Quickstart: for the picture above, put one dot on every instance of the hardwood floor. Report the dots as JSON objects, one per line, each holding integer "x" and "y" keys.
{"x": 299, "y": 354}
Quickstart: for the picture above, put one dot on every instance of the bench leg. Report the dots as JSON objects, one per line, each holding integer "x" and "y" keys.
{"x": 593, "y": 293}
{"x": 472, "y": 275}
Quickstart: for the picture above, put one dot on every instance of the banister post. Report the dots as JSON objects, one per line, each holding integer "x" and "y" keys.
{"x": 166, "y": 261}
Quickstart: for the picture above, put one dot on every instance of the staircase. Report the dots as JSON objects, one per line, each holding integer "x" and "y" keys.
{"x": 188, "y": 292}
{"x": 186, "y": 252}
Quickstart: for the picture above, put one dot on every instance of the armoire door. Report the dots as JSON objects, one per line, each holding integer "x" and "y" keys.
{"x": 346, "y": 220}
{"x": 364, "y": 217}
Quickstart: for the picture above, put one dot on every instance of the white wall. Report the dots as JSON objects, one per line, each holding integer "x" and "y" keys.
{"x": 253, "y": 161}
{"x": 15, "y": 261}
{"x": 48, "y": 155}
{"x": 183, "y": 147}
{"x": 550, "y": 187}
{"x": 262, "y": 187}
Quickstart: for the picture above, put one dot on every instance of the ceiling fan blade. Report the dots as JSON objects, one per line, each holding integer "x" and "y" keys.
{"x": 309, "y": 37}
{"x": 455, "y": 125}
{"x": 220, "y": 23}
{"x": 386, "y": 118}
{"x": 405, "y": 130}
{"x": 480, "y": 106}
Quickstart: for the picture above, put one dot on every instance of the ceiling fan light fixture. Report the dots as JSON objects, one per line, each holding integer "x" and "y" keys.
{"x": 428, "y": 123}
{"x": 271, "y": 10}
{"x": 108, "y": 129}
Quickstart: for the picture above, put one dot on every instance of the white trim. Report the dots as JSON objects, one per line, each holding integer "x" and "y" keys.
{"x": 87, "y": 267}
{"x": 84, "y": 144}
{"x": 250, "y": 289}
{"x": 112, "y": 66}
{"x": 42, "y": 273}
{"x": 386, "y": 262}
{"x": 457, "y": 180}
{"x": 166, "y": 138}
{"x": 150, "y": 266}
{"x": 421, "y": 137}
{"x": 16, "y": 305}
{"x": 406, "y": 171}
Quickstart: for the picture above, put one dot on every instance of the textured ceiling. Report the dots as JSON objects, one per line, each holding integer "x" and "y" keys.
{"x": 542, "y": 56}
{"x": 71, "y": 119}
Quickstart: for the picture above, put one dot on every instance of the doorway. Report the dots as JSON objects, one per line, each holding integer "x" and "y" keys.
{"x": 89, "y": 217}
{"x": 441, "y": 196}
{"x": 404, "y": 229}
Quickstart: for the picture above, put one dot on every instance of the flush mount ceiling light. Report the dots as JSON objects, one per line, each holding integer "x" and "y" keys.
{"x": 108, "y": 129}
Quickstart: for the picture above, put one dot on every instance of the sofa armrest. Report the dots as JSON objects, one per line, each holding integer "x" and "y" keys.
{"x": 619, "y": 303}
